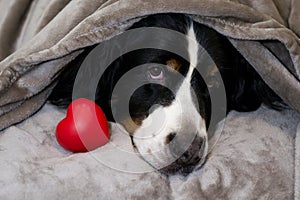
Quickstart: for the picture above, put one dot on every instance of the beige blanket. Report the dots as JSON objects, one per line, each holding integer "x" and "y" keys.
{"x": 39, "y": 37}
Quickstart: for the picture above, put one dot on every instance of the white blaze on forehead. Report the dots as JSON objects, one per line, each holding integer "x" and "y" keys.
{"x": 193, "y": 49}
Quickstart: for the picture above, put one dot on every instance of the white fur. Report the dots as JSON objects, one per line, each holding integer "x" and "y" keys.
{"x": 180, "y": 117}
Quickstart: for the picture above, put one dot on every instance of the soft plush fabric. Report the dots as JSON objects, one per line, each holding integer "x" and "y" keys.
{"x": 38, "y": 38}
{"x": 253, "y": 158}
{"x": 256, "y": 157}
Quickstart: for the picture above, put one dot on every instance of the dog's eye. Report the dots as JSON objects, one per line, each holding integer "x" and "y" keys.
{"x": 156, "y": 73}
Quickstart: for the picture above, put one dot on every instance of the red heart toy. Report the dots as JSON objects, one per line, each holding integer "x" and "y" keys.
{"x": 85, "y": 127}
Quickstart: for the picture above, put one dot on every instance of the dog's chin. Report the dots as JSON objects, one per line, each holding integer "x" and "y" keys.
{"x": 178, "y": 168}
{"x": 182, "y": 165}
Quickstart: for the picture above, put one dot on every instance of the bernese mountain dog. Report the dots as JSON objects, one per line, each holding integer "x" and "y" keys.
{"x": 171, "y": 113}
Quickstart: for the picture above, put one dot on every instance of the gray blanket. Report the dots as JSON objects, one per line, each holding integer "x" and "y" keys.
{"x": 252, "y": 159}
{"x": 38, "y": 38}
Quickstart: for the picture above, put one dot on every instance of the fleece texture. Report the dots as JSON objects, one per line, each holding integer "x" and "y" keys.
{"x": 257, "y": 155}
{"x": 252, "y": 156}
{"x": 38, "y": 38}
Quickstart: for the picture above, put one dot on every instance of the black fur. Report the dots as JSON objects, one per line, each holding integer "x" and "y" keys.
{"x": 245, "y": 89}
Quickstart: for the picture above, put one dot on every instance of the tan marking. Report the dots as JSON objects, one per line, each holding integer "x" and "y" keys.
{"x": 131, "y": 125}
{"x": 211, "y": 75}
{"x": 174, "y": 64}
{"x": 212, "y": 70}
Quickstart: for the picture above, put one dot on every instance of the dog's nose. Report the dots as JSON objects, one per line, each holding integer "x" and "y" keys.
{"x": 187, "y": 149}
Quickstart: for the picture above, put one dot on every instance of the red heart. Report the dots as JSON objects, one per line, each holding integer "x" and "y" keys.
{"x": 85, "y": 127}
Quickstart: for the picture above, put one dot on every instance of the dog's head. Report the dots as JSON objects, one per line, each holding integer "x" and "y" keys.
{"x": 167, "y": 113}
{"x": 170, "y": 110}
{"x": 165, "y": 99}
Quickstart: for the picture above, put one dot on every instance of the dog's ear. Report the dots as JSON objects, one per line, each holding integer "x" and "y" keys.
{"x": 251, "y": 90}
{"x": 104, "y": 96}
{"x": 62, "y": 93}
